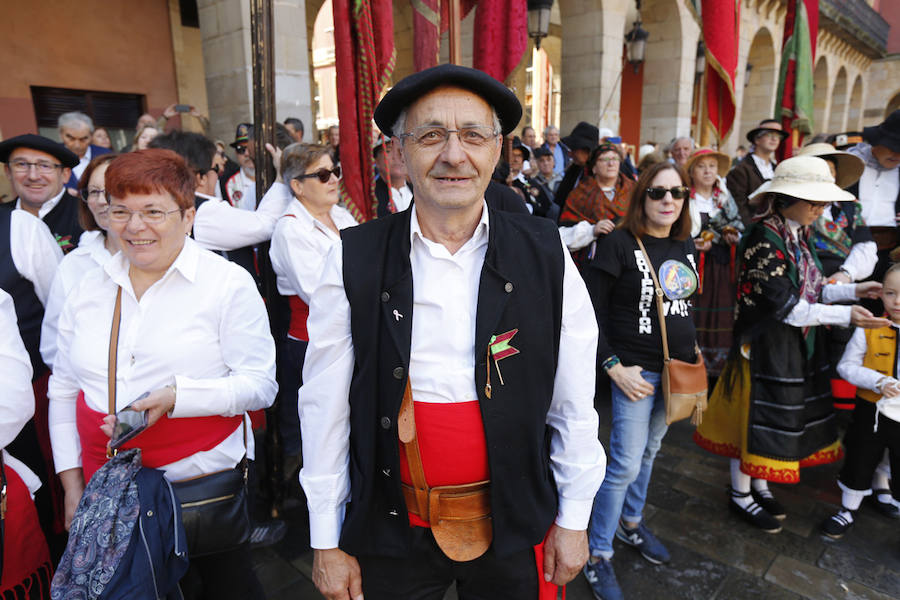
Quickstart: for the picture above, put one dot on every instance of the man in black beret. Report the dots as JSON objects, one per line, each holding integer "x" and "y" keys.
{"x": 38, "y": 169}
{"x": 448, "y": 427}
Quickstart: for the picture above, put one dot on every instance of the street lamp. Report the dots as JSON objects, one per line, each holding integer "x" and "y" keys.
{"x": 700, "y": 66}
{"x": 636, "y": 44}
{"x": 539, "y": 20}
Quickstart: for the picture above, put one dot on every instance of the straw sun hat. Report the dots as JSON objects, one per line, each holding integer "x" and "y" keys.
{"x": 804, "y": 177}
{"x": 723, "y": 163}
{"x": 849, "y": 167}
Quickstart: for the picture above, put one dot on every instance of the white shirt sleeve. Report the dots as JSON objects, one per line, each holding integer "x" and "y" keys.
{"x": 851, "y": 368}
{"x": 35, "y": 252}
{"x": 15, "y": 375}
{"x": 63, "y": 392}
{"x": 805, "y": 314}
{"x": 577, "y": 459}
{"x": 577, "y": 236}
{"x": 324, "y": 405}
{"x": 220, "y": 226}
{"x": 247, "y": 349}
{"x": 860, "y": 263}
{"x": 297, "y": 258}
{"x": 51, "y": 318}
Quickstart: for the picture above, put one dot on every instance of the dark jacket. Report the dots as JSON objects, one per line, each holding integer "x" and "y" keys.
{"x": 383, "y": 197}
{"x": 96, "y": 151}
{"x": 742, "y": 181}
{"x": 523, "y": 267}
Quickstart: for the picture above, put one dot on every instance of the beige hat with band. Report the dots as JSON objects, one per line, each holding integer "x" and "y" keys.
{"x": 849, "y": 166}
{"x": 804, "y": 177}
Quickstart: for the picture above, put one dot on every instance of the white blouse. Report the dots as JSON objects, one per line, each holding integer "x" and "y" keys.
{"x": 90, "y": 253}
{"x": 202, "y": 326}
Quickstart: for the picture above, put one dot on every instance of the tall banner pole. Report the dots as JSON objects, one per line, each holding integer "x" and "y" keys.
{"x": 455, "y": 26}
{"x": 262, "y": 47}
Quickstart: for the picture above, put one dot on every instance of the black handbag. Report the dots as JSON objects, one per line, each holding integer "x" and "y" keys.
{"x": 214, "y": 507}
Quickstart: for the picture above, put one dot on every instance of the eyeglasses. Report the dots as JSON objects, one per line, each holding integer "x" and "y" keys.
{"x": 240, "y": 149}
{"x": 94, "y": 194}
{"x": 679, "y": 192}
{"x": 434, "y": 136}
{"x": 322, "y": 174}
{"x": 43, "y": 167}
{"x": 154, "y": 216}
{"x": 815, "y": 205}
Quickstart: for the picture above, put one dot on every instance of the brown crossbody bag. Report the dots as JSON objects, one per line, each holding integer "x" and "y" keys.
{"x": 459, "y": 515}
{"x": 684, "y": 384}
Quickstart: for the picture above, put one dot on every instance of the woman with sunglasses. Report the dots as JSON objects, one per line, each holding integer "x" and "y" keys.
{"x": 716, "y": 227}
{"x": 597, "y": 203}
{"x": 630, "y": 351}
{"x": 95, "y": 248}
{"x": 309, "y": 228}
{"x": 771, "y": 411}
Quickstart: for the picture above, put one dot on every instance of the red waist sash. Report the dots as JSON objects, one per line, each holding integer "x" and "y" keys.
{"x": 25, "y": 552}
{"x": 299, "y": 315}
{"x": 169, "y": 440}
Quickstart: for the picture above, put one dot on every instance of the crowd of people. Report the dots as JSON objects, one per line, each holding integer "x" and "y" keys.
{"x": 441, "y": 427}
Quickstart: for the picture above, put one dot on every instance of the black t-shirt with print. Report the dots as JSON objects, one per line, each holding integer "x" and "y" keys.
{"x": 622, "y": 290}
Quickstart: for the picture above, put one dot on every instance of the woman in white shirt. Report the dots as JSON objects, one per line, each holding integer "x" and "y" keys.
{"x": 303, "y": 236}
{"x": 94, "y": 249}
{"x": 194, "y": 340}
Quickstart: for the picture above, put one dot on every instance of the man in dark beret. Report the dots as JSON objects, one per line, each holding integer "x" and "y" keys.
{"x": 449, "y": 433}
{"x": 38, "y": 168}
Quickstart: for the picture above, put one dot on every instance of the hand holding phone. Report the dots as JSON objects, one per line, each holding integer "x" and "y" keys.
{"x": 183, "y": 108}
{"x": 129, "y": 423}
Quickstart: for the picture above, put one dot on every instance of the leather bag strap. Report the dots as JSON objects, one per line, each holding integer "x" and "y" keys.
{"x": 406, "y": 426}
{"x": 659, "y": 300}
{"x": 113, "y": 351}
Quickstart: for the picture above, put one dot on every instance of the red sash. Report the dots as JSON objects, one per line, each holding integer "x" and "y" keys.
{"x": 454, "y": 452}
{"x": 167, "y": 441}
{"x": 299, "y": 315}
{"x": 25, "y": 552}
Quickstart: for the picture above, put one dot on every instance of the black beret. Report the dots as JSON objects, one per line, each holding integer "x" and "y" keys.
{"x": 411, "y": 88}
{"x": 38, "y": 142}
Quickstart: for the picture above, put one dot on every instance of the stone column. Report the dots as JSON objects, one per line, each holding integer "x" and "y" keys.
{"x": 225, "y": 26}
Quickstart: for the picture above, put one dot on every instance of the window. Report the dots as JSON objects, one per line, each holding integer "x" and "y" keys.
{"x": 190, "y": 16}
{"x": 118, "y": 113}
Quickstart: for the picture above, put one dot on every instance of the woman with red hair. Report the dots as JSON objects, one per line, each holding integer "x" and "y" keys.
{"x": 194, "y": 352}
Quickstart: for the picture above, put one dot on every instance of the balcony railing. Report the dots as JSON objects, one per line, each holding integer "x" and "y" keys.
{"x": 858, "y": 23}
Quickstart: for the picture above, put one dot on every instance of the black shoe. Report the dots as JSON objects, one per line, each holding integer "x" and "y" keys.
{"x": 837, "y": 525}
{"x": 887, "y": 509}
{"x": 754, "y": 514}
{"x": 770, "y": 505}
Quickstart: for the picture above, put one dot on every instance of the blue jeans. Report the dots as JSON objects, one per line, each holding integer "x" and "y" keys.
{"x": 637, "y": 432}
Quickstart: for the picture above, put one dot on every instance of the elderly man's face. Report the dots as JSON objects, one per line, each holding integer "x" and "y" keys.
{"x": 76, "y": 138}
{"x": 552, "y": 137}
{"x": 681, "y": 151}
{"x": 244, "y": 155}
{"x": 39, "y": 181}
{"x": 452, "y": 174}
{"x": 886, "y": 157}
{"x": 529, "y": 138}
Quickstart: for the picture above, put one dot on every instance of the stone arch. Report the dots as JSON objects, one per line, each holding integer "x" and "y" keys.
{"x": 668, "y": 70}
{"x": 820, "y": 94}
{"x": 838, "y": 115}
{"x": 893, "y": 104}
{"x": 855, "y": 107}
{"x": 759, "y": 86}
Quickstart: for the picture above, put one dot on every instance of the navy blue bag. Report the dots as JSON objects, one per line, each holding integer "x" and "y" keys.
{"x": 127, "y": 540}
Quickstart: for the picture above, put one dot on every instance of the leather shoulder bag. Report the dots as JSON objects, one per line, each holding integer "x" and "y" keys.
{"x": 684, "y": 384}
{"x": 214, "y": 507}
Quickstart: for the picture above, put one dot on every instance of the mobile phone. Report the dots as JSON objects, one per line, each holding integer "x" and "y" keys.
{"x": 129, "y": 423}
{"x": 182, "y": 108}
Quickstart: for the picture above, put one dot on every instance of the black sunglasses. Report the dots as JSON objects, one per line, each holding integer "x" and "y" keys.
{"x": 240, "y": 149}
{"x": 323, "y": 174}
{"x": 679, "y": 192}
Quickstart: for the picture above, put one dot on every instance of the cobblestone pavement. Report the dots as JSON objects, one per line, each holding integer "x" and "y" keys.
{"x": 714, "y": 556}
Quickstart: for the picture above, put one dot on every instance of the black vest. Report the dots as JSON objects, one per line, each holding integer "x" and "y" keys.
{"x": 62, "y": 221}
{"x": 523, "y": 269}
{"x": 29, "y": 310}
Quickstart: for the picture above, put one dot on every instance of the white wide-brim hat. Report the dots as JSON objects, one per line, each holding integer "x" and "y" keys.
{"x": 804, "y": 177}
{"x": 849, "y": 166}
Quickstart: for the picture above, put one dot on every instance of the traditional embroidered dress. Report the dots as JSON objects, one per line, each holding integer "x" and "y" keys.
{"x": 590, "y": 202}
{"x": 714, "y": 303}
{"x": 772, "y": 408}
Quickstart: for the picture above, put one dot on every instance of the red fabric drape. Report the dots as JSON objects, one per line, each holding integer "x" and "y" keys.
{"x": 501, "y": 36}
{"x": 721, "y": 32}
{"x": 364, "y": 61}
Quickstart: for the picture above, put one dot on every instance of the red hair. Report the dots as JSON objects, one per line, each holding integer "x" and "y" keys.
{"x": 151, "y": 171}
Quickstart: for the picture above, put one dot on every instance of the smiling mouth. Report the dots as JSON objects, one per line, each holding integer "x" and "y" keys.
{"x": 141, "y": 242}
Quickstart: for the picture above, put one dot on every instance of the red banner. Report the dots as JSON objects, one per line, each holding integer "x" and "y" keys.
{"x": 501, "y": 36}
{"x": 721, "y": 33}
{"x": 364, "y": 58}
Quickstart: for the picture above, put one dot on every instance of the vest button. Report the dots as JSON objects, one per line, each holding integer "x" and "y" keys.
{"x": 385, "y": 423}
{"x": 508, "y": 287}
{"x": 385, "y": 296}
{"x": 398, "y": 373}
